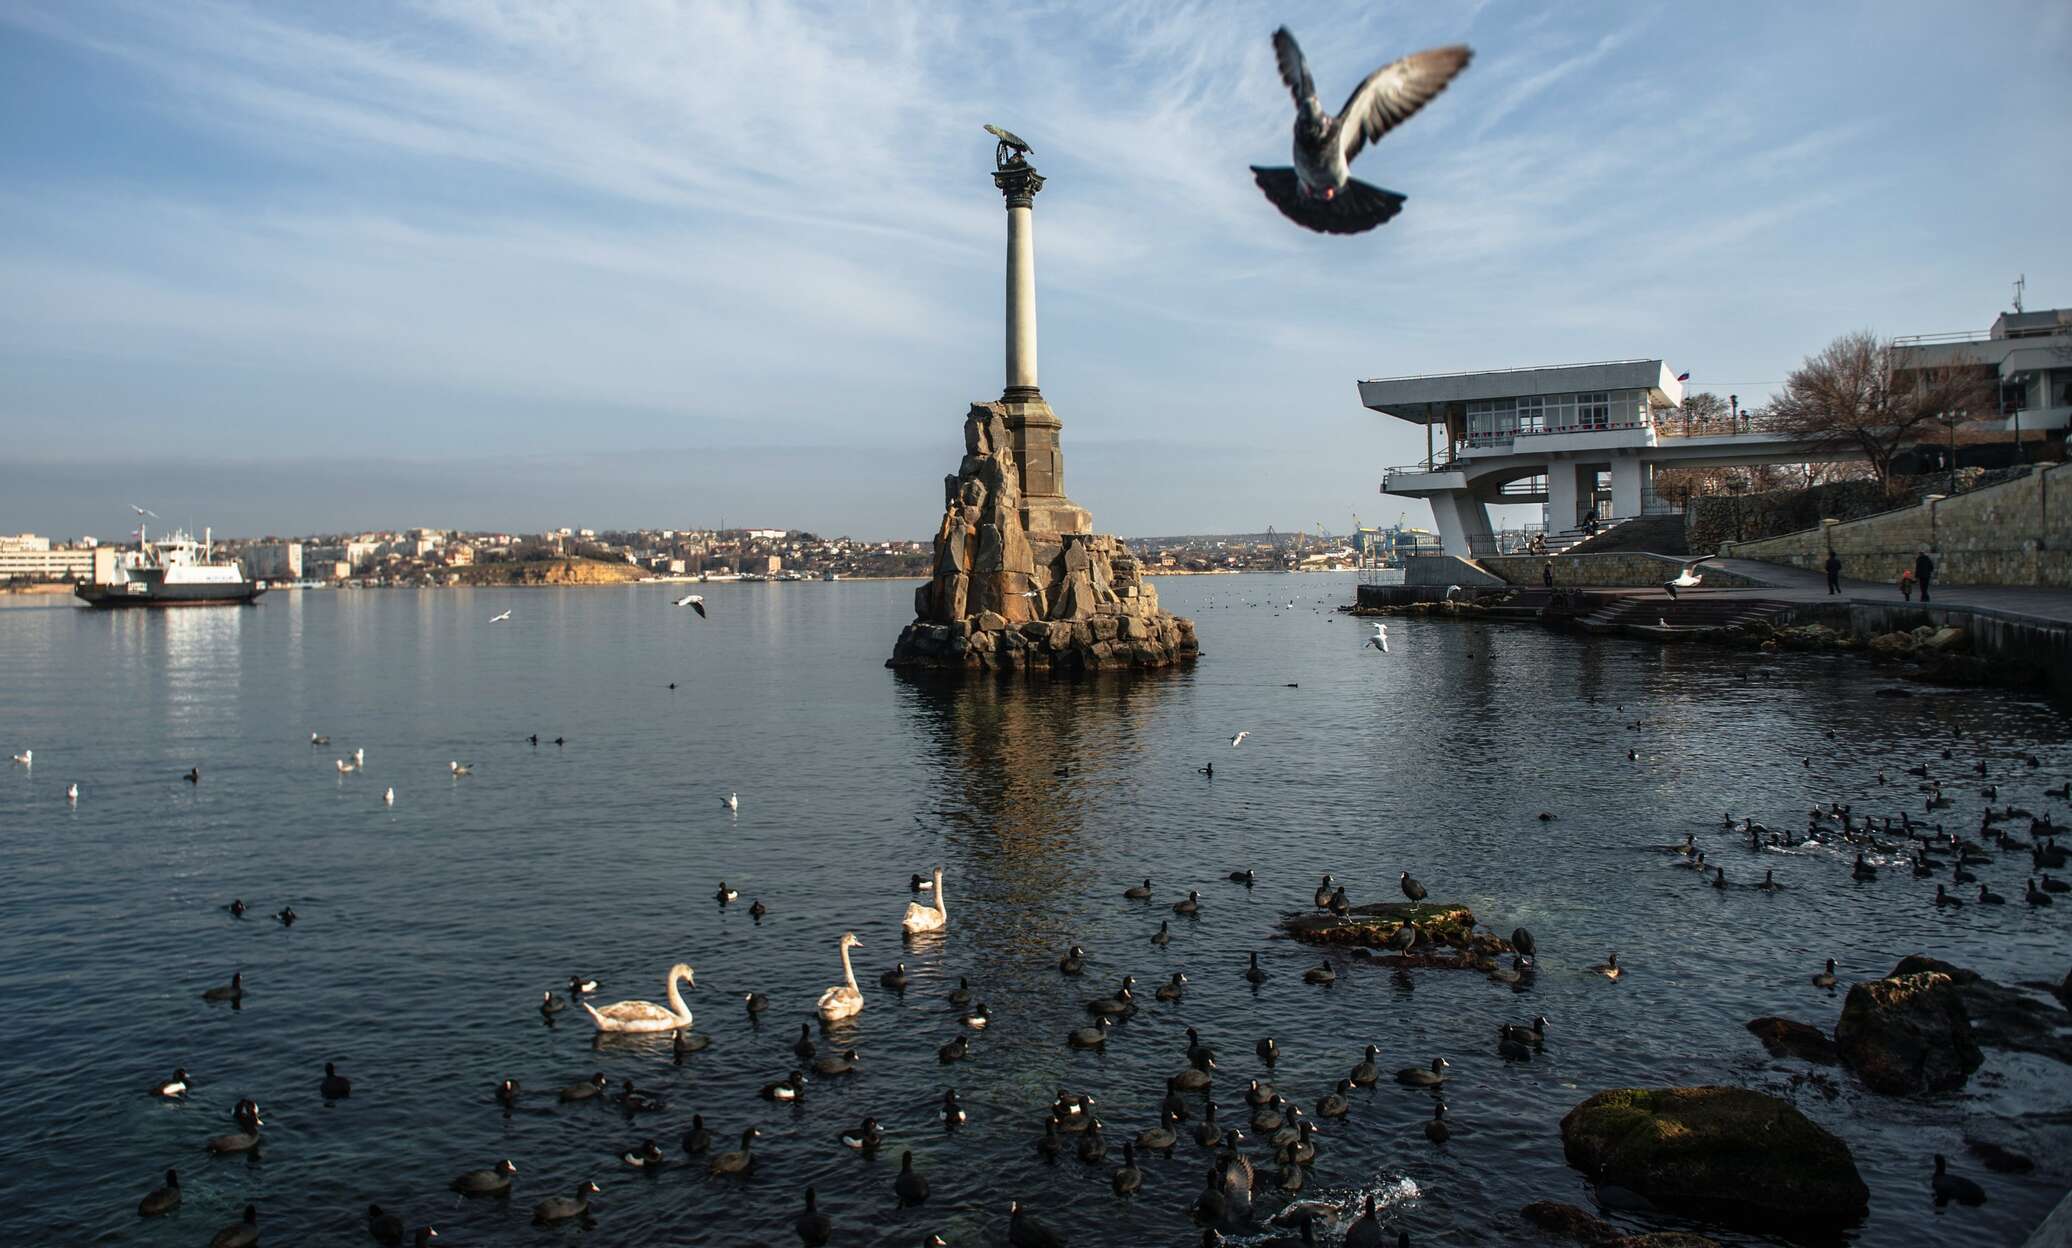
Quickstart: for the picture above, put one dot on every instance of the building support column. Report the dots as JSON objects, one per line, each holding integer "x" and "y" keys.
{"x": 1564, "y": 498}
{"x": 1463, "y": 522}
{"x": 1628, "y": 476}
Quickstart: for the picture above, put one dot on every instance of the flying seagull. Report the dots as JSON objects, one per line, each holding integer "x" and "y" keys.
{"x": 695, "y": 602}
{"x": 143, "y": 511}
{"x": 1239, "y": 739}
{"x": 498, "y": 618}
{"x": 1380, "y": 639}
{"x": 1317, "y": 192}
{"x": 1688, "y": 578}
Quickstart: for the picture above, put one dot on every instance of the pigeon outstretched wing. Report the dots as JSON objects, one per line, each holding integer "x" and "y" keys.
{"x": 1391, "y": 95}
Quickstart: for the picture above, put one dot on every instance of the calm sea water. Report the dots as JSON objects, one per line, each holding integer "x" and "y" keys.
{"x": 429, "y": 929}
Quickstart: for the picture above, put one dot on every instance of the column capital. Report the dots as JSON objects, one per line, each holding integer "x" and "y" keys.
{"x": 1019, "y": 182}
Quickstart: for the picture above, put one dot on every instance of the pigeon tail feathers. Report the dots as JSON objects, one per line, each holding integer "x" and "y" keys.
{"x": 1355, "y": 209}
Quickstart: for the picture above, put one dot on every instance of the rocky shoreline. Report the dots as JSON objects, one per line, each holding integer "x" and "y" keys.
{"x": 1926, "y": 655}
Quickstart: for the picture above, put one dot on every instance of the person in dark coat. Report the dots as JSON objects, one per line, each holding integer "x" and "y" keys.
{"x": 1834, "y": 573}
{"x": 1924, "y": 569}
{"x": 1547, "y": 573}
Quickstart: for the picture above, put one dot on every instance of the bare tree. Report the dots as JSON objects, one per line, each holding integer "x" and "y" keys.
{"x": 1850, "y": 396}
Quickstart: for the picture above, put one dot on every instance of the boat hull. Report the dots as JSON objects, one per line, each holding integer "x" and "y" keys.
{"x": 170, "y": 595}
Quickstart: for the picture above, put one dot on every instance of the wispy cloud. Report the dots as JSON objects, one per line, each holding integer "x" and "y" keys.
{"x": 420, "y": 226}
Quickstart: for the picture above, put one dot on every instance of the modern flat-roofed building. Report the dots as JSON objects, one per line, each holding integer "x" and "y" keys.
{"x": 27, "y": 557}
{"x": 1583, "y": 439}
{"x": 274, "y": 561}
{"x": 2030, "y": 355}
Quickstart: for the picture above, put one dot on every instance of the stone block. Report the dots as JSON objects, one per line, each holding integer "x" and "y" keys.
{"x": 1104, "y": 627}
{"x": 991, "y": 622}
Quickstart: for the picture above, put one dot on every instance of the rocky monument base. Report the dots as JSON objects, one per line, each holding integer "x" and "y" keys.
{"x": 1008, "y": 594}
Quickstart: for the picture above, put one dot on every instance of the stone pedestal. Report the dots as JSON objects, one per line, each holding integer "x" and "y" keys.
{"x": 1032, "y": 434}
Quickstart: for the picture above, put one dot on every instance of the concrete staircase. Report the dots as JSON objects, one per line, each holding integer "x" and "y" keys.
{"x": 1692, "y": 611}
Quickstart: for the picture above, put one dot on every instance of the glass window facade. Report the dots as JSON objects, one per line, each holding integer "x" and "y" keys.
{"x": 1496, "y": 421}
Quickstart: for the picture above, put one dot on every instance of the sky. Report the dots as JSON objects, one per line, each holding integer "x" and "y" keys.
{"x": 516, "y": 264}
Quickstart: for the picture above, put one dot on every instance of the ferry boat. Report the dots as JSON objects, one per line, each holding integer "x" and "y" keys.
{"x": 173, "y": 571}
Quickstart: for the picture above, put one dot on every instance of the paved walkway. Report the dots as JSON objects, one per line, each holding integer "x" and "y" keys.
{"x": 1799, "y": 585}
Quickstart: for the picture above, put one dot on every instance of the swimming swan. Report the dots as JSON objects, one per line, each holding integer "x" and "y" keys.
{"x": 920, "y": 918}
{"x": 642, "y": 1016}
{"x": 845, "y": 999}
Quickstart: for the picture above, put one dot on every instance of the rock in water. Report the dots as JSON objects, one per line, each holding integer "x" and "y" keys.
{"x": 1907, "y": 1035}
{"x": 1728, "y": 1155}
{"x": 1442, "y": 922}
{"x": 1786, "y": 1038}
{"x": 1560, "y": 1219}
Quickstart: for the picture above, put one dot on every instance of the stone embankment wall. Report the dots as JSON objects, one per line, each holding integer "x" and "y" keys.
{"x": 1605, "y": 570}
{"x": 2016, "y": 533}
{"x": 1005, "y": 597}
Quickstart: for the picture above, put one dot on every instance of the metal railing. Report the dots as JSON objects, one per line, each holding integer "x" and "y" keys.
{"x": 1929, "y": 340}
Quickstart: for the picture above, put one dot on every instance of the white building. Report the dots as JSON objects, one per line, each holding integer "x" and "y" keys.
{"x": 25, "y": 556}
{"x": 1584, "y": 439}
{"x": 2030, "y": 354}
{"x": 273, "y": 561}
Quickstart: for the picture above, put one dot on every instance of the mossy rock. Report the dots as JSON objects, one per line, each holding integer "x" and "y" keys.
{"x": 1373, "y": 924}
{"x": 1726, "y": 1155}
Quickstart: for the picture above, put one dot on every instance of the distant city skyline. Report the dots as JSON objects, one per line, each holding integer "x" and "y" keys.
{"x": 304, "y": 268}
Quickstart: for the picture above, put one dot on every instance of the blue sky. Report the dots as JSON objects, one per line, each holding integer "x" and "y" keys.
{"x": 512, "y": 263}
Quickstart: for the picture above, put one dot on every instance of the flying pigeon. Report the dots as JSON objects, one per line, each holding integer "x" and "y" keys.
{"x": 1317, "y": 192}
{"x": 1380, "y": 639}
{"x": 695, "y": 602}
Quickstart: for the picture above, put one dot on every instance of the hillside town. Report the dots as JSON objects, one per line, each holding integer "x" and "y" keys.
{"x": 423, "y": 557}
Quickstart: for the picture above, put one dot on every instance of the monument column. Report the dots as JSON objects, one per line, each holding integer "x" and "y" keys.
{"x": 1020, "y": 187}
{"x": 1032, "y": 426}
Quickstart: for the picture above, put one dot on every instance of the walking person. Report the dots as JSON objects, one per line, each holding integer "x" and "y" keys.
{"x": 1924, "y": 571}
{"x": 1547, "y": 573}
{"x": 1906, "y": 583}
{"x": 1834, "y": 572}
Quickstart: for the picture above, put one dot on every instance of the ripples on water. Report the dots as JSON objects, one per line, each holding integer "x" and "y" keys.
{"x": 430, "y": 929}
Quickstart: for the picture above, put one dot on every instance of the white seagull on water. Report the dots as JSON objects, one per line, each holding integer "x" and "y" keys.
{"x": 1239, "y": 739}
{"x": 26, "y": 758}
{"x": 497, "y": 619}
{"x": 72, "y": 792}
{"x": 731, "y": 801}
{"x": 388, "y": 798}
{"x": 695, "y": 602}
{"x": 1380, "y": 639}
{"x": 460, "y": 769}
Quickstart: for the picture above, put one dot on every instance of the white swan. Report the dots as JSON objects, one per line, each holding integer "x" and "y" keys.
{"x": 844, "y": 999}
{"x": 920, "y": 918}
{"x": 646, "y": 1015}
